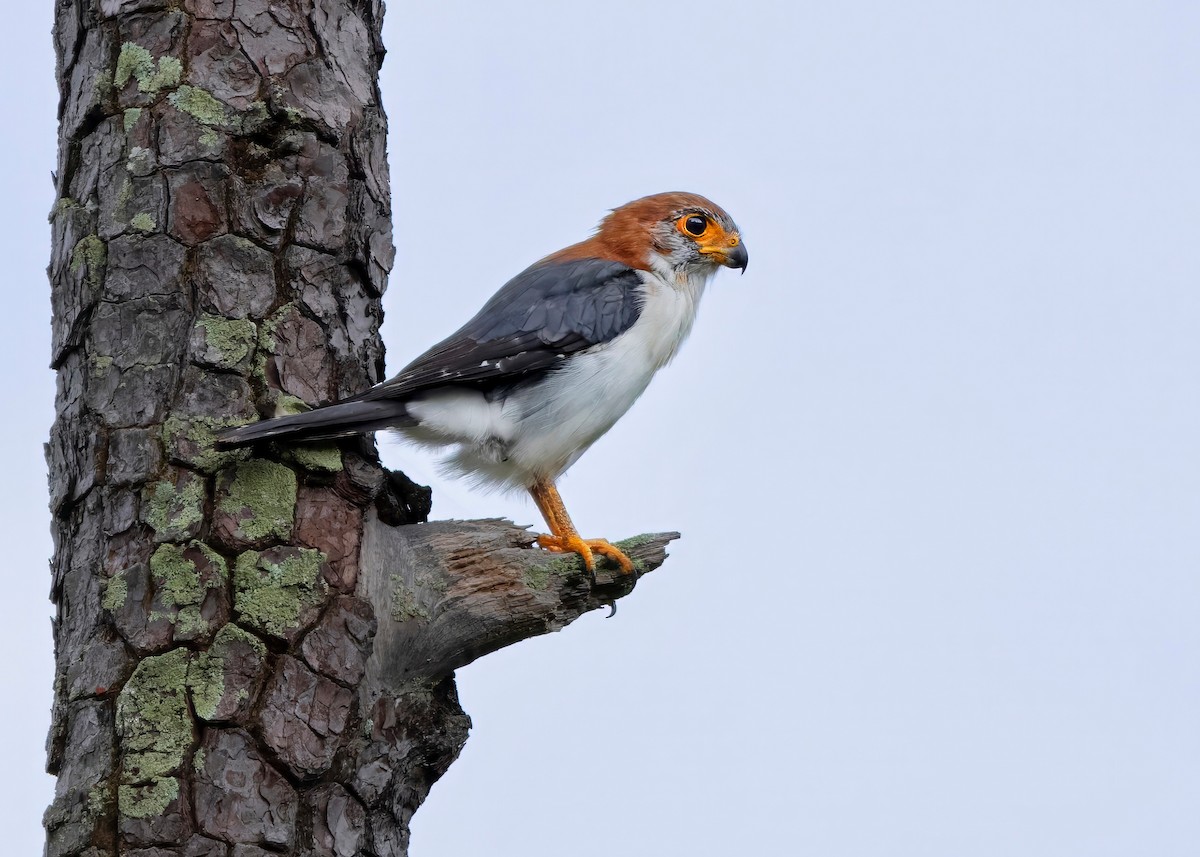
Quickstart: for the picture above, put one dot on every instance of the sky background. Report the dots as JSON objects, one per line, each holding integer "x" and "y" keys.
{"x": 935, "y": 456}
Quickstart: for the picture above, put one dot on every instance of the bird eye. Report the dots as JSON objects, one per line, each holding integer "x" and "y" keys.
{"x": 695, "y": 224}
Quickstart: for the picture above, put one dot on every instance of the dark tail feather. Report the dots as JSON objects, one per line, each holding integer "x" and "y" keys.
{"x": 338, "y": 420}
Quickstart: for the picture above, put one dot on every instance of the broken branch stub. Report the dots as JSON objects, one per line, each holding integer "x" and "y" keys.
{"x": 448, "y": 592}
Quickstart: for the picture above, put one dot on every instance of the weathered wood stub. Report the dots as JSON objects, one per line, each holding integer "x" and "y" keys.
{"x": 255, "y": 655}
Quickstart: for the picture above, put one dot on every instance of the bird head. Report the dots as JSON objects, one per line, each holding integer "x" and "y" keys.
{"x": 681, "y": 231}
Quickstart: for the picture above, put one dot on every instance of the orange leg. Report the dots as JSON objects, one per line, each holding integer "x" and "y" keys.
{"x": 563, "y": 536}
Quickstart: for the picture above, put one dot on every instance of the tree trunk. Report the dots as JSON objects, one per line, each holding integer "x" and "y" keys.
{"x": 254, "y": 655}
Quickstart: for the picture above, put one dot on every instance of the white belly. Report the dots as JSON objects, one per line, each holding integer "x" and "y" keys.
{"x": 540, "y": 430}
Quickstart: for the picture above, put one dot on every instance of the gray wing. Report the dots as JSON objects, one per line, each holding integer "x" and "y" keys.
{"x": 539, "y": 318}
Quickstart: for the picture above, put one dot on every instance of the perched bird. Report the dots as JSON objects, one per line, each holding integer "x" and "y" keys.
{"x": 551, "y": 362}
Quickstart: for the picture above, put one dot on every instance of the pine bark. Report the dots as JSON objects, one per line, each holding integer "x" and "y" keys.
{"x": 255, "y": 655}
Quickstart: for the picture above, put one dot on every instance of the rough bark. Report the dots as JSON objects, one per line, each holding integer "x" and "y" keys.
{"x": 254, "y": 655}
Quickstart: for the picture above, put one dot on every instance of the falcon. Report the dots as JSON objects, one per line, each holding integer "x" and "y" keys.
{"x": 551, "y": 362}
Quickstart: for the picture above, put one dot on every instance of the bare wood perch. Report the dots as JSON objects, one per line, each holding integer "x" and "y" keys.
{"x": 449, "y": 592}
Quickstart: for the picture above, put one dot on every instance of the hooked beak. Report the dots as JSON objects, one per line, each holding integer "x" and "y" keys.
{"x": 736, "y": 257}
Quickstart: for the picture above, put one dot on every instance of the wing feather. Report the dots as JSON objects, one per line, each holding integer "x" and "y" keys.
{"x": 539, "y": 318}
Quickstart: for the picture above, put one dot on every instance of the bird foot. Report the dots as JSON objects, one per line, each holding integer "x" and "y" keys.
{"x": 586, "y": 548}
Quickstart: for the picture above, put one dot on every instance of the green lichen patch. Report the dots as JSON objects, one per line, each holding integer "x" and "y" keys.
{"x": 154, "y": 725}
{"x": 261, "y": 498}
{"x": 90, "y": 254}
{"x": 143, "y": 222}
{"x": 100, "y": 363}
{"x": 253, "y": 117}
{"x": 632, "y": 542}
{"x": 404, "y": 603}
{"x": 220, "y": 679}
{"x": 133, "y": 60}
{"x": 285, "y": 403}
{"x": 116, "y": 591}
{"x": 102, "y": 87}
{"x": 192, "y": 441}
{"x": 227, "y": 341}
{"x": 124, "y": 194}
{"x": 202, "y": 106}
{"x": 99, "y": 800}
{"x": 168, "y": 73}
{"x": 316, "y": 457}
{"x": 565, "y": 565}
{"x": 206, "y": 680}
{"x": 537, "y": 577}
{"x": 130, "y": 118}
{"x": 569, "y": 564}
{"x": 266, "y": 336}
{"x": 432, "y": 580}
{"x": 184, "y": 575}
{"x": 137, "y": 62}
{"x": 629, "y": 544}
{"x": 198, "y": 104}
{"x": 65, "y": 204}
{"x": 176, "y": 511}
{"x": 147, "y": 801}
{"x": 279, "y": 591}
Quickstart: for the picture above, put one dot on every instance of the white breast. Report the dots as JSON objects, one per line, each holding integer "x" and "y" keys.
{"x": 540, "y": 430}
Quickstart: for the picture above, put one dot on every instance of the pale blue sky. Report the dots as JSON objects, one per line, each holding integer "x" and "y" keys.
{"x": 935, "y": 456}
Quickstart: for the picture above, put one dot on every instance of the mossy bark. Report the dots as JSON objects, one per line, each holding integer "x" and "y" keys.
{"x": 237, "y": 670}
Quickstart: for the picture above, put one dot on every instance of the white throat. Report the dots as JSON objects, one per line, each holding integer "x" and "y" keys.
{"x": 671, "y": 299}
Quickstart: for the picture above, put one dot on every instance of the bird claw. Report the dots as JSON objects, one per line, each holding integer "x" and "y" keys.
{"x": 587, "y": 548}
